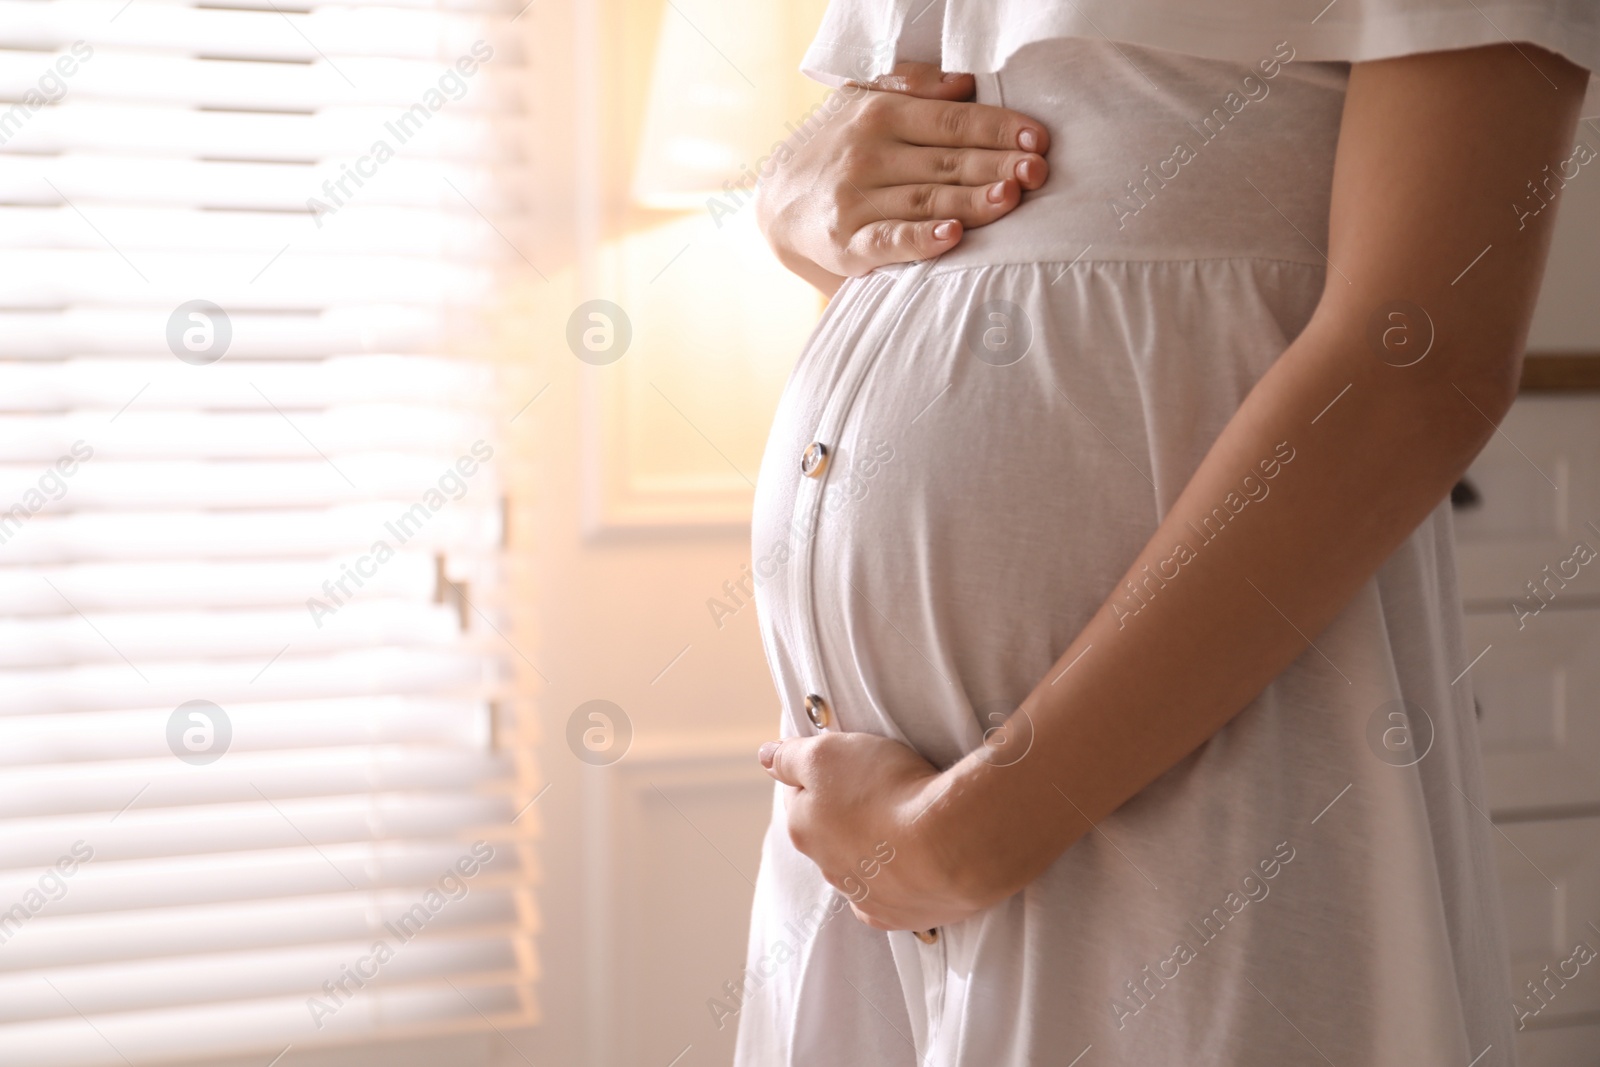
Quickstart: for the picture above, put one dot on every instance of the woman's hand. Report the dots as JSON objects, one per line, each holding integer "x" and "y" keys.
{"x": 854, "y": 807}
{"x": 895, "y": 174}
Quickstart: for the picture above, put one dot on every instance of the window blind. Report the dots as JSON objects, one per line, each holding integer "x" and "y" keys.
{"x": 254, "y": 673}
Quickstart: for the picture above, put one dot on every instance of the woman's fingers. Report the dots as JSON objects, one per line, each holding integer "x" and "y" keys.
{"x": 972, "y": 205}
{"x": 919, "y": 222}
{"x": 942, "y": 124}
{"x": 900, "y": 178}
{"x": 897, "y": 241}
{"x": 913, "y": 164}
{"x": 790, "y": 760}
{"x": 927, "y": 81}
{"x": 772, "y": 758}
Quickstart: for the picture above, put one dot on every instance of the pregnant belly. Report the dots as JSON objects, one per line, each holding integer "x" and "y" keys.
{"x": 1017, "y": 433}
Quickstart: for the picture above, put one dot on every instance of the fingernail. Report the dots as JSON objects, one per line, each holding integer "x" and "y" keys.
{"x": 1025, "y": 170}
{"x": 997, "y": 192}
{"x": 951, "y": 76}
{"x": 944, "y": 231}
{"x": 1028, "y": 140}
{"x": 766, "y": 752}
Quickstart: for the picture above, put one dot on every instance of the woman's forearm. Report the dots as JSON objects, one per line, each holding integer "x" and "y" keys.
{"x": 1351, "y": 450}
{"x": 1219, "y": 603}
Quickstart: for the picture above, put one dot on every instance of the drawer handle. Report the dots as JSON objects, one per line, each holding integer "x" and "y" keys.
{"x": 1465, "y": 495}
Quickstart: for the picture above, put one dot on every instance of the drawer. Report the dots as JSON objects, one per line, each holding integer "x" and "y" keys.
{"x": 1538, "y": 694}
{"x": 1565, "y": 1046}
{"x": 1550, "y": 879}
{"x": 1537, "y": 484}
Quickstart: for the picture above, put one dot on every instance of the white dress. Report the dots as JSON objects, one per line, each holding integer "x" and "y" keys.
{"x": 1007, "y": 426}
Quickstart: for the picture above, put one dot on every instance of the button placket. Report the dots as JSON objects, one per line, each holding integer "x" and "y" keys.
{"x": 933, "y": 957}
{"x": 809, "y": 493}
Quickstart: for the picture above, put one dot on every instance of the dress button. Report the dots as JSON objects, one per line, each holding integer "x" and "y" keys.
{"x": 817, "y": 711}
{"x": 928, "y": 937}
{"x": 814, "y": 460}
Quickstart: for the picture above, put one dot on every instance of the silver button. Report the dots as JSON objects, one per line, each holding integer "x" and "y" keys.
{"x": 814, "y": 460}
{"x": 817, "y": 711}
{"x": 928, "y": 937}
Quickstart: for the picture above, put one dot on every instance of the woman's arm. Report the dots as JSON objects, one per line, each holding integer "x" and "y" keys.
{"x": 1434, "y": 152}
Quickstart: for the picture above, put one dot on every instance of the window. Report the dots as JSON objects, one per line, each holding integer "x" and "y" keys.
{"x": 258, "y": 711}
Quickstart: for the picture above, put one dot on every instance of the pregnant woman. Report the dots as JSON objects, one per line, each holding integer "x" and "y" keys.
{"x": 1113, "y": 606}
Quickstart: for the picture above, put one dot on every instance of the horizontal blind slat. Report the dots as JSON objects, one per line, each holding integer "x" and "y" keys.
{"x": 165, "y": 983}
{"x": 384, "y": 326}
{"x": 261, "y": 533}
{"x": 348, "y": 29}
{"x": 122, "y": 586}
{"x": 428, "y": 434}
{"x": 49, "y": 941}
{"x": 340, "y": 32}
{"x": 148, "y": 143}
{"x": 218, "y": 83}
{"x": 268, "y": 823}
{"x": 373, "y": 379}
{"x": 216, "y": 1030}
{"x": 266, "y": 726}
{"x": 109, "y": 787}
{"x": 364, "y": 229}
{"x": 369, "y": 672}
{"x": 93, "y": 179}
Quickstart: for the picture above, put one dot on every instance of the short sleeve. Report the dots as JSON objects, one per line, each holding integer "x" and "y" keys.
{"x": 860, "y": 39}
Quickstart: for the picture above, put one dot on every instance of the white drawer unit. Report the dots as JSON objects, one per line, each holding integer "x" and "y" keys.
{"x": 1537, "y": 687}
{"x": 1569, "y": 1046}
{"x": 1527, "y": 526}
{"x": 1538, "y": 488}
{"x": 1550, "y": 877}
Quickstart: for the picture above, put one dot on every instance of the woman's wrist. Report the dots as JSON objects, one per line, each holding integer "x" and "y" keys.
{"x": 777, "y": 236}
{"x": 818, "y": 277}
{"x": 985, "y": 829}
